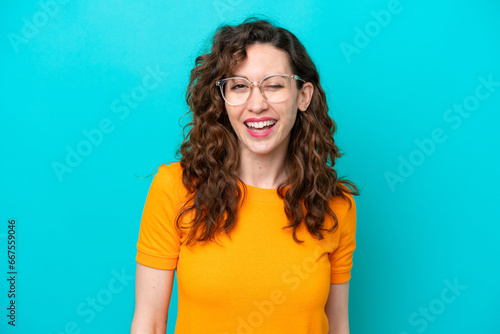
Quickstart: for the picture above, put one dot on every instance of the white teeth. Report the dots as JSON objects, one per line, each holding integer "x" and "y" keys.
{"x": 260, "y": 125}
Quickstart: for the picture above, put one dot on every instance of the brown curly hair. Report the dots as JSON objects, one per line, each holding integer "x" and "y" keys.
{"x": 210, "y": 154}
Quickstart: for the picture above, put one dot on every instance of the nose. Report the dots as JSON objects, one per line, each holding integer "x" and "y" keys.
{"x": 256, "y": 101}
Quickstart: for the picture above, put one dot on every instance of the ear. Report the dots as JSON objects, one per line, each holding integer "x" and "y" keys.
{"x": 305, "y": 96}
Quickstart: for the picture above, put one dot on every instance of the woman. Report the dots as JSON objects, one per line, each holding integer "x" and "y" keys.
{"x": 253, "y": 217}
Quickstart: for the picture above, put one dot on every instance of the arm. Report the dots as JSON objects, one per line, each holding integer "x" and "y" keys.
{"x": 336, "y": 308}
{"x": 153, "y": 288}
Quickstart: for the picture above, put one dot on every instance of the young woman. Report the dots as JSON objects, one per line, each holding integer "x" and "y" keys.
{"x": 253, "y": 217}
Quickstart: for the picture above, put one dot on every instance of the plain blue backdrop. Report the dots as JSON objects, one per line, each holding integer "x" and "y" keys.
{"x": 91, "y": 96}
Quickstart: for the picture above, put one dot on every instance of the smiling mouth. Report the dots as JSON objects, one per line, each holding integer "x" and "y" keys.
{"x": 260, "y": 126}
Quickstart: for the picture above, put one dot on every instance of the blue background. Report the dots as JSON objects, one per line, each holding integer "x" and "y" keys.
{"x": 427, "y": 218}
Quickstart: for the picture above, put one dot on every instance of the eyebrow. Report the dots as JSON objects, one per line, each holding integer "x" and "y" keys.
{"x": 242, "y": 76}
{"x": 238, "y": 75}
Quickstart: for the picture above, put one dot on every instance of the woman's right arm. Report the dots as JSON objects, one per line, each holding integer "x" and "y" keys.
{"x": 153, "y": 288}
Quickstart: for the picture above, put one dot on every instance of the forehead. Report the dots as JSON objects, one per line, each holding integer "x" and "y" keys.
{"x": 262, "y": 60}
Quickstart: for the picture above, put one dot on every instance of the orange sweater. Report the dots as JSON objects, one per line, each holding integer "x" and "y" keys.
{"x": 260, "y": 280}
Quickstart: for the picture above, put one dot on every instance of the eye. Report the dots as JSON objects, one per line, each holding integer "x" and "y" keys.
{"x": 239, "y": 86}
{"x": 274, "y": 86}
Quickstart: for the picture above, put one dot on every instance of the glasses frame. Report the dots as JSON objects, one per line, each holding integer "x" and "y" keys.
{"x": 221, "y": 82}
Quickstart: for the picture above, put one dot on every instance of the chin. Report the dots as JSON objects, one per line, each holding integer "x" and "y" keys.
{"x": 264, "y": 151}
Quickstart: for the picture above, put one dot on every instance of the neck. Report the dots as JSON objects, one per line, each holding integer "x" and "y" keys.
{"x": 262, "y": 171}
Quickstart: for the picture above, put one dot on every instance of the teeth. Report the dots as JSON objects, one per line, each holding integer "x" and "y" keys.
{"x": 260, "y": 125}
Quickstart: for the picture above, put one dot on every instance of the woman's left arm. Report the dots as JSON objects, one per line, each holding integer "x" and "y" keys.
{"x": 336, "y": 308}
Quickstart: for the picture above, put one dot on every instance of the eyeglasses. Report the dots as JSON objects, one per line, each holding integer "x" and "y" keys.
{"x": 274, "y": 87}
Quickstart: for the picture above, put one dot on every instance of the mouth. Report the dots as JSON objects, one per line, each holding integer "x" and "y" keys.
{"x": 260, "y": 129}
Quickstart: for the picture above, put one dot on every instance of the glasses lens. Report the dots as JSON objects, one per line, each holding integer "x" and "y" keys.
{"x": 236, "y": 91}
{"x": 276, "y": 88}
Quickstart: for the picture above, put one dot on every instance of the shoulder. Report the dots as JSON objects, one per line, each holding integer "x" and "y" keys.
{"x": 169, "y": 179}
{"x": 170, "y": 172}
{"x": 170, "y": 167}
{"x": 343, "y": 205}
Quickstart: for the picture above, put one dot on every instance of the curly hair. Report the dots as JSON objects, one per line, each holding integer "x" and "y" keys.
{"x": 210, "y": 154}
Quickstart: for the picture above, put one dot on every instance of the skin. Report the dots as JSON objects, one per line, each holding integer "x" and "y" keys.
{"x": 153, "y": 289}
{"x": 337, "y": 308}
{"x": 262, "y": 161}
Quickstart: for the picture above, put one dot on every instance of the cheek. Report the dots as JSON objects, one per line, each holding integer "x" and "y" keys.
{"x": 229, "y": 113}
{"x": 291, "y": 115}
{"x": 293, "y": 121}
{"x": 233, "y": 116}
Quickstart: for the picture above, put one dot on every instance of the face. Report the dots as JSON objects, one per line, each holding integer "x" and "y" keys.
{"x": 262, "y": 60}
